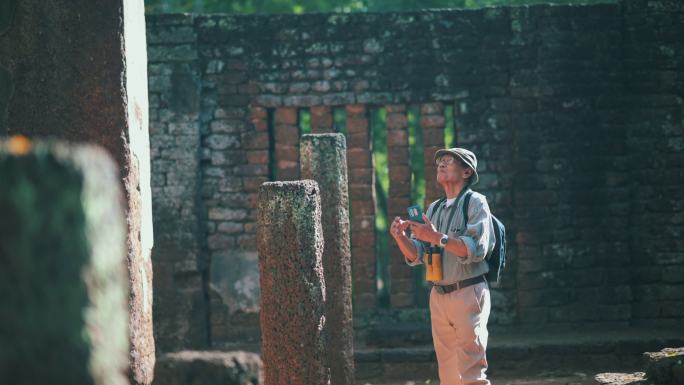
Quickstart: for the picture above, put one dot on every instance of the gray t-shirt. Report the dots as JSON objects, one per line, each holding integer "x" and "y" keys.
{"x": 477, "y": 235}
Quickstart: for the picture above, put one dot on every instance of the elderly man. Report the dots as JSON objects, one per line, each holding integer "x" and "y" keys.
{"x": 459, "y": 300}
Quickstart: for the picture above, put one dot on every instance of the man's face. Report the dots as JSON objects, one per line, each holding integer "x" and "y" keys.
{"x": 450, "y": 169}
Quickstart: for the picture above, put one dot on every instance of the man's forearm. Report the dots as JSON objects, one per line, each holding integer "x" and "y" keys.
{"x": 407, "y": 247}
{"x": 455, "y": 246}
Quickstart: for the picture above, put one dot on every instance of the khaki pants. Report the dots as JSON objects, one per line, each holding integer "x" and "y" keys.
{"x": 459, "y": 333}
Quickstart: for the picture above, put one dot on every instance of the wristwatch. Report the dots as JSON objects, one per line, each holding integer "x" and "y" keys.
{"x": 444, "y": 240}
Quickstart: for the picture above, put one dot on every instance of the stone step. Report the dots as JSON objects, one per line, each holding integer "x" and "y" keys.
{"x": 666, "y": 367}
{"x": 208, "y": 368}
{"x": 638, "y": 378}
{"x": 526, "y": 351}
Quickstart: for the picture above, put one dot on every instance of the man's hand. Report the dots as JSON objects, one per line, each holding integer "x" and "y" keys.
{"x": 398, "y": 227}
{"x": 425, "y": 232}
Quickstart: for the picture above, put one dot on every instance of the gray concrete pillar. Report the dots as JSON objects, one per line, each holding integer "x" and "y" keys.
{"x": 290, "y": 247}
{"x": 63, "y": 277}
{"x": 324, "y": 159}
{"x": 79, "y": 72}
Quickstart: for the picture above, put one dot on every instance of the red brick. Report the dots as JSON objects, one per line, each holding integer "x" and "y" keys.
{"x": 257, "y": 157}
{"x": 366, "y": 238}
{"x": 360, "y": 176}
{"x": 396, "y": 121}
{"x": 288, "y": 173}
{"x": 431, "y": 109}
{"x": 360, "y": 192}
{"x": 321, "y": 118}
{"x": 363, "y": 224}
{"x": 401, "y": 173}
{"x": 358, "y": 140}
{"x": 286, "y": 152}
{"x": 357, "y": 158}
{"x": 322, "y": 130}
{"x": 254, "y": 140}
{"x": 429, "y": 154}
{"x": 362, "y": 207}
{"x": 398, "y": 269}
{"x": 399, "y": 156}
{"x": 397, "y": 138}
{"x": 398, "y": 205}
{"x": 286, "y": 115}
{"x": 247, "y": 241}
{"x": 364, "y": 262}
{"x": 286, "y": 134}
{"x": 365, "y": 286}
{"x": 403, "y": 283}
{"x": 287, "y": 164}
{"x": 433, "y": 137}
{"x": 400, "y": 189}
{"x": 258, "y": 113}
{"x": 252, "y": 201}
{"x": 251, "y": 228}
{"x": 432, "y": 121}
{"x": 260, "y": 125}
{"x": 251, "y": 170}
{"x": 252, "y": 183}
{"x": 364, "y": 300}
{"x": 395, "y": 108}
{"x": 357, "y": 125}
{"x": 355, "y": 109}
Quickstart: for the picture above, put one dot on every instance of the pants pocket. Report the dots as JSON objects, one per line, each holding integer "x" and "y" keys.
{"x": 478, "y": 297}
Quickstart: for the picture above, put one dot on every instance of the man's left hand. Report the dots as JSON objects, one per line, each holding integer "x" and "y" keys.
{"x": 425, "y": 232}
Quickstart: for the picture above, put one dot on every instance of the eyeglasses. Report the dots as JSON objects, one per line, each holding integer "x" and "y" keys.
{"x": 446, "y": 159}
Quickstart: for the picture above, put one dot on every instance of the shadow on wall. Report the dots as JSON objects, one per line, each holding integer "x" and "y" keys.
{"x": 235, "y": 278}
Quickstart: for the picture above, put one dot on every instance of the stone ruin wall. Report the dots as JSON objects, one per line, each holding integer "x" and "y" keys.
{"x": 575, "y": 113}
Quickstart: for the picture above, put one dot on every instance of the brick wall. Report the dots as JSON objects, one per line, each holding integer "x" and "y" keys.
{"x": 575, "y": 113}
{"x": 654, "y": 60}
{"x": 180, "y": 302}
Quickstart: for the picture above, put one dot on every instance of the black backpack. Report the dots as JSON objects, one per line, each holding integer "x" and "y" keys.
{"x": 497, "y": 257}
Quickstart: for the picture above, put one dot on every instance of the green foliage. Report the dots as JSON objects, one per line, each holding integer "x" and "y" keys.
{"x": 304, "y": 121}
{"x": 302, "y": 6}
{"x": 378, "y": 126}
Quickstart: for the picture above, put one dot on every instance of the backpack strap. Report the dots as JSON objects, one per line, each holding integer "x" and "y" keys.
{"x": 466, "y": 202}
{"x": 432, "y": 206}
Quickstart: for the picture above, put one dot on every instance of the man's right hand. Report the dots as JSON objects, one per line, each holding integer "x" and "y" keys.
{"x": 398, "y": 227}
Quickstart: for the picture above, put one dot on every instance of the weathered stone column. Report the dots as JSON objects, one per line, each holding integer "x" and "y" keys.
{"x": 290, "y": 246}
{"x": 63, "y": 279}
{"x": 79, "y": 73}
{"x": 324, "y": 159}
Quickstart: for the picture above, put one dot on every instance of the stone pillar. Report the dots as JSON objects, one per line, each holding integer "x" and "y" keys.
{"x": 63, "y": 279}
{"x": 290, "y": 247}
{"x": 324, "y": 159}
{"x": 79, "y": 71}
{"x": 361, "y": 180}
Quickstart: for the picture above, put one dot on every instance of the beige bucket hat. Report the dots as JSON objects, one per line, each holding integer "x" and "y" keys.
{"x": 467, "y": 156}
